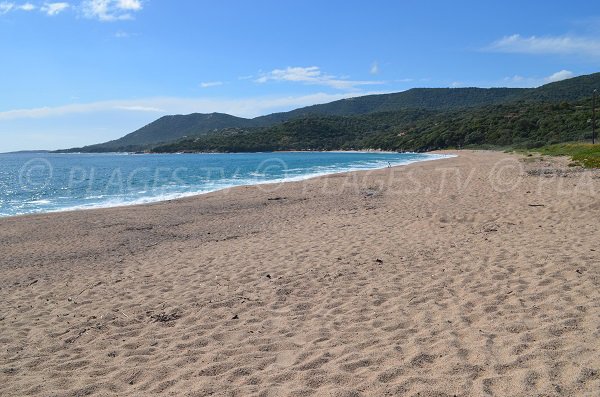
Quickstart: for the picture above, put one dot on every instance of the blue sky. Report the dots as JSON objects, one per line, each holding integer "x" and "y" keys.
{"x": 78, "y": 72}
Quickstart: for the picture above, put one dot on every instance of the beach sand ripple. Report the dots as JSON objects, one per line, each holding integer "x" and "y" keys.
{"x": 468, "y": 276}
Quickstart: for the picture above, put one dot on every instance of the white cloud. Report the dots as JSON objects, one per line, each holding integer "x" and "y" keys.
{"x": 374, "y": 68}
{"x": 134, "y": 5}
{"x": 207, "y": 84}
{"x": 308, "y": 74}
{"x": 103, "y": 10}
{"x": 519, "y": 81}
{"x": 6, "y": 7}
{"x": 536, "y": 81}
{"x": 312, "y": 75}
{"x": 54, "y": 8}
{"x": 547, "y": 45}
{"x": 27, "y": 7}
{"x": 558, "y": 76}
{"x": 110, "y": 10}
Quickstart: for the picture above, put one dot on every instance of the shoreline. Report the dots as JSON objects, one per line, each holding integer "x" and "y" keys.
{"x": 476, "y": 275}
{"x": 195, "y": 152}
{"x": 143, "y": 201}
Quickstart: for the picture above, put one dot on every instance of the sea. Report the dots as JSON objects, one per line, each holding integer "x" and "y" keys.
{"x": 50, "y": 182}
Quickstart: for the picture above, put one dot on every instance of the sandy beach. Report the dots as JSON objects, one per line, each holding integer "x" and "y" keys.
{"x": 477, "y": 275}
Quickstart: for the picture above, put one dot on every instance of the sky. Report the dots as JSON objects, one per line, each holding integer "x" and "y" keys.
{"x": 79, "y": 72}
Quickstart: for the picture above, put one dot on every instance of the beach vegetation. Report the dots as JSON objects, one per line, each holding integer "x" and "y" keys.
{"x": 582, "y": 154}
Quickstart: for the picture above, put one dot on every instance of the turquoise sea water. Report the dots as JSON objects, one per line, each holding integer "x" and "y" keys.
{"x": 42, "y": 182}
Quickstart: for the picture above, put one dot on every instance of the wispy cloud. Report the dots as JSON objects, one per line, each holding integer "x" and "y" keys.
{"x": 120, "y": 34}
{"x": 314, "y": 76}
{"x": 48, "y": 8}
{"x": 102, "y": 10}
{"x": 110, "y": 10}
{"x": 245, "y": 107}
{"x": 518, "y": 81}
{"x": 523, "y": 81}
{"x": 52, "y": 9}
{"x": 374, "y": 68}
{"x": 81, "y": 124}
{"x": 139, "y": 108}
{"x": 208, "y": 84}
{"x": 6, "y": 7}
{"x": 558, "y": 45}
{"x": 145, "y": 105}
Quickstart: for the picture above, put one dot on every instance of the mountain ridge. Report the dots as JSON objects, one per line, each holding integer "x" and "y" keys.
{"x": 172, "y": 128}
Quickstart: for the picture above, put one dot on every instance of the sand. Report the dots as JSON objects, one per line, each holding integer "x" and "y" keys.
{"x": 472, "y": 276}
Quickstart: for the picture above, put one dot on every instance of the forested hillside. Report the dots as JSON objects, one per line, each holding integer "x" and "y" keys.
{"x": 416, "y": 119}
{"x": 518, "y": 124}
{"x": 169, "y": 128}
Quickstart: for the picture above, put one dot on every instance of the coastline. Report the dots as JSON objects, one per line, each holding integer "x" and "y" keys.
{"x": 471, "y": 275}
{"x": 181, "y": 195}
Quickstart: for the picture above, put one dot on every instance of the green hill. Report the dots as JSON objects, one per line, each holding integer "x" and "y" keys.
{"x": 569, "y": 90}
{"x": 170, "y": 128}
{"x": 416, "y": 98}
{"x": 441, "y": 102}
{"x": 518, "y": 124}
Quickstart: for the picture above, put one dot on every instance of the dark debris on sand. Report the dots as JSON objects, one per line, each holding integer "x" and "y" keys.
{"x": 165, "y": 317}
